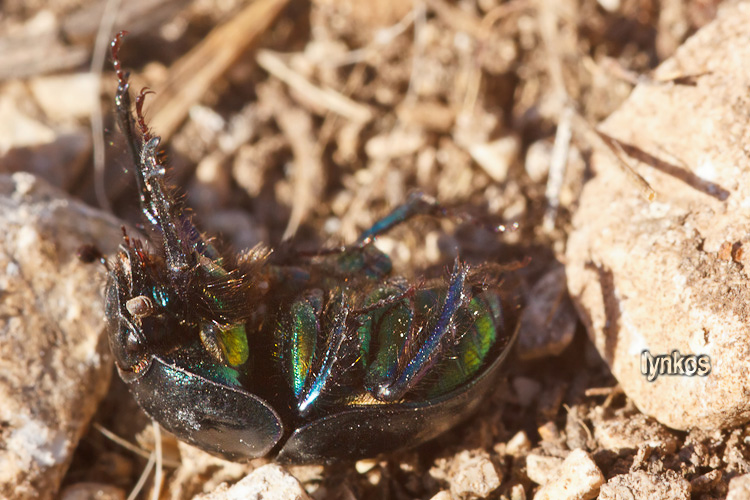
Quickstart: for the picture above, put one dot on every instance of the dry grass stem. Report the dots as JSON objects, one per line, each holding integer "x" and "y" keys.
{"x": 307, "y": 174}
{"x": 328, "y": 98}
{"x": 194, "y": 73}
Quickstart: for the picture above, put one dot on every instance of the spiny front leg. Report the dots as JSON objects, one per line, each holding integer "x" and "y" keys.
{"x": 182, "y": 241}
{"x": 210, "y": 295}
{"x": 422, "y": 349}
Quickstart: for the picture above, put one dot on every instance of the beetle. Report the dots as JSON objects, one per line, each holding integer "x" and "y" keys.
{"x": 306, "y": 358}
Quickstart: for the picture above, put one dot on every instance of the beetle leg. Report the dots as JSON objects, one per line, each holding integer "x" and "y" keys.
{"x": 300, "y": 334}
{"x": 318, "y": 344}
{"x": 485, "y": 328}
{"x": 181, "y": 240}
{"x": 418, "y": 203}
{"x": 467, "y": 329}
{"x": 385, "y": 325}
{"x": 362, "y": 256}
{"x": 417, "y": 361}
{"x": 328, "y": 368}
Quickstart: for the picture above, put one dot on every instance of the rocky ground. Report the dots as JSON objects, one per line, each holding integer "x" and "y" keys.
{"x": 613, "y": 132}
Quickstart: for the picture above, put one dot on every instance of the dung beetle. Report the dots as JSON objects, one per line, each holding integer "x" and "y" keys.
{"x": 309, "y": 358}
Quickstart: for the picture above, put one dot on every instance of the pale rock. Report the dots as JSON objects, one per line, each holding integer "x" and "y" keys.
{"x": 642, "y": 485}
{"x": 632, "y": 432}
{"x": 646, "y": 276}
{"x": 541, "y": 469}
{"x": 66, "y": 97}
{"x": 470, "y": 474}
{"x": 538, "y": 158}
{"x": 496, "y": 157}
{"x": 739, "y": 488}
{"x": 270, "y": 482}
{"x": 517, "y": 492}
{"x": 519, "y": 444}
{"x": 54, "y": 355}
{"x": 400, "y": 142}
{"x": 475, "y": 475}
{"x": 578, "y": 479}
{"x": 17, "y": 128}
{"x": 442, "y": 495}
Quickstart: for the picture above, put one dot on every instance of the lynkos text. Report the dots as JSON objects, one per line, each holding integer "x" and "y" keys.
{"x": 674, "y": 364}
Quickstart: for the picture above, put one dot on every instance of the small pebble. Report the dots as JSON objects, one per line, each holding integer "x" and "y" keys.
{"x": 92, "y": 491}
{"x": 518, "y": 444}
{"x": 442, "y": 495}
{"x": 632, "y": 431}
{"x": 549, "y": 321}
{"x": 496, "y": 157}
{"x": 642, "y": 484}
{"x": 541, "y": 469}
{"x": 66, "y": 97}
{"x": 549, "y": 432}
{"x": 517, "y": 492}
{"x": 395, "y": 144}
{"x": 365, "y": 466}
{"x": 538, "y": 158}
{"x": 476, "y": 475}
{"x": 578, "y": 479}
{"x": 270, "y": 482}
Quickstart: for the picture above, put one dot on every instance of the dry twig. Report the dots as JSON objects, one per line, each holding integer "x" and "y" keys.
{"x": 328, "y": 98}
{"x": 307, "y": 176}
{"x": 195, "y": 72}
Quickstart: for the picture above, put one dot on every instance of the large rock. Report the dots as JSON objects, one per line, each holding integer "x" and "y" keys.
{"x": 667, "y": 275}
{"x": 54, "y": 359}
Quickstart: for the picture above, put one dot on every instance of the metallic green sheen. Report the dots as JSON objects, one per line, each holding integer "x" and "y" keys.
{"x": 481, "y": 321}
{"x": 369, "y": 261}
{"x": 207, "y": 366}
{"x": 303, "y": 333}
{"x": 385, "y": 329}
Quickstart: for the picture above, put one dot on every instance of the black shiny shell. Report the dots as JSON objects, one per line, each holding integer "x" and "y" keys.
{"x": 235, "y": 424}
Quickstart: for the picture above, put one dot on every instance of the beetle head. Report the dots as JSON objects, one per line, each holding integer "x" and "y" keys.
{"x": 144, "y": 314}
